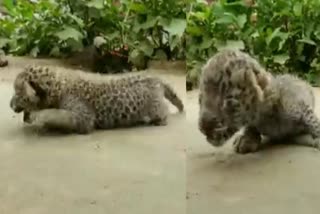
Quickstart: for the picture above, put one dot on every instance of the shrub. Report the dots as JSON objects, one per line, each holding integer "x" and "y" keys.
{"x": 283, "y": 34}
{"x": 146, "y": 28}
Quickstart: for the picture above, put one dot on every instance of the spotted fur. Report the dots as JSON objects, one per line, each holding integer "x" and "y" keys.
{"x": 236, "y": 91}
{"x": 81, "y": 102}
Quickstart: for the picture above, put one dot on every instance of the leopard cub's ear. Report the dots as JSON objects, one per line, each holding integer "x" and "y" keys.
{"x": 255, "y": 81}
{"x": 263, "y": 79}
{"x": 37, "y": 89}
{"x": 29, "y": 90}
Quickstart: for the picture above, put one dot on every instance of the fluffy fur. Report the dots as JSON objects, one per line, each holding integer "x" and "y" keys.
{"x": 236, "y": 91}
{"x": 81, "y": 102}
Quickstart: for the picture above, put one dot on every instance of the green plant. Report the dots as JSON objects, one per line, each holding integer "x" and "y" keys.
{"x": 287, "y": 37}
{"x": 282, "y": 34}
{"x": 158, "y": 28}
{"x": 146, "y": 28}
{"x": 45, "y": 28}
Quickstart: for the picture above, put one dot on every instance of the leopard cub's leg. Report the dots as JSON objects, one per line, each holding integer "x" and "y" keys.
{"x": 306, "y": 140}
{"x": 60, "y": 119}
{"x": 311, "y": 121}
{"x": 26, "y": 117}
{"x": 159, "y": 113}
{"x": 72, "y": 116}
{"x": 82, "y": 115}
{"x": 249, "y": 141}
{"x": 306, "y": 116}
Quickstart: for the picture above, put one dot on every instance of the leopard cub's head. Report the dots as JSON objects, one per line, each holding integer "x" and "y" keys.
{"x": 27, "y": 94}
{"x": 232, "y": 86}
{"x": 216, "y": 131}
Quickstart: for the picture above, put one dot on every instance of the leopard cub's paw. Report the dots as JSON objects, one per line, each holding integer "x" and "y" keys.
{"x": 26, "y": 117}
{"x": 29, "y": 117}
{"x": 245, "y": 144}
{"x": 316, "y": 143}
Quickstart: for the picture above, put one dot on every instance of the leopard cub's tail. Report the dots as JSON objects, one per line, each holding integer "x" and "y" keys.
{"x": 172, "y": 96}
{"x": 168, "y": 91}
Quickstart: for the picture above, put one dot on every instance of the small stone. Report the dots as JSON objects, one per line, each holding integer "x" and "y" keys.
{"x": 3, "y": 63}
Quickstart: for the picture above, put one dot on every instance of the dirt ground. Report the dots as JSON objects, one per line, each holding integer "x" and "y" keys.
{"x": 138, "y": 170}
{"x": 280, "y": 179}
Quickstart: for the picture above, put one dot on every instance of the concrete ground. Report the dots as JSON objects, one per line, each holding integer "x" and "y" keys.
{"x": 145, "y": 170}
{"x": 138, "y": 170}
{"x": 281, "y": 179}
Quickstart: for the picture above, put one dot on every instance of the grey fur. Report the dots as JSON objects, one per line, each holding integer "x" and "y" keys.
{"x": 80, "y": 102}
{"x": 237, "y": 92}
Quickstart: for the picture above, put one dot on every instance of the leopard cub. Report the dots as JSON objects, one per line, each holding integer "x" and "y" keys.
{"x": 237, "y": 92}
{"x": 81, "y": 102}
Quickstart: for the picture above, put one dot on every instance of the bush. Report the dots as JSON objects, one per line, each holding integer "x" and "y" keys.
{"x": 40, "y": 28}
{"x": 146, "y": 28}
{"x": 284, "y": 34}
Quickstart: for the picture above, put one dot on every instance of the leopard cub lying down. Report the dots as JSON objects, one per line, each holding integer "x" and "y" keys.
{"x": 236, "y": 92}
{"x": 81, "y": 102}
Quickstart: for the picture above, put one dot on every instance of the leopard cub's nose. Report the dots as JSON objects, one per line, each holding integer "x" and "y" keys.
{"x": 14, "y": 107}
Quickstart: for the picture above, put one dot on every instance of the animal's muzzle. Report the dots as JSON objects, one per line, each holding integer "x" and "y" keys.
{"x": 14, "y": 107}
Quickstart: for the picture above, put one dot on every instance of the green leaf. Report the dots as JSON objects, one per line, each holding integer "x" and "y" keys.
{"x": 317, "y": 33}
{"x": 112, "y": 36}
{"x": 160, "y": 55}
{"x": 206, "y": 42}
{"x": 273, "y": 35}
{"x": 284, "y": 38}
{"x": 134, "y": 55}
{"x": 137, "y": 58}
{"x": 146, "y": 48}
{"x": 297, "y": 8}
{"x": 307, "y": 41}
{"x": 237, "y": 44}
{"x": 55, "y": 51}
{"x": 194, "y": 30}
{"x": 309, "y": 29}
{"x": 227, "y": 18}
{"x": 219, "y": 44}
{"x": 234, "y": 44}
{"x": 281, "y": 59}
{"x": 94, "y": 13}
{"x": 69, "y": 33}
{"x": 4, "y": 42}
{"x": 202, "y": 1}
{"x": 150, "y": 22}
{"x": 34, "y": 51}
{"x": 255, "y": 34}
{"x": 78, "y": 20}
{"x": 163, "y": 21}
{"x": 277, "y": 34}
{"x": 138, "y": 7}
{"x": 75, "y": 45}
{"x": 176, "y": 27}
{"x": 174, "y": 42}
{"x": 98, "y": 4}
{"x": 242, "y": 20}
{"x": 217, "y": 9}
{"x": 8, "y": 4}
{"x": 200, "y": 15}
